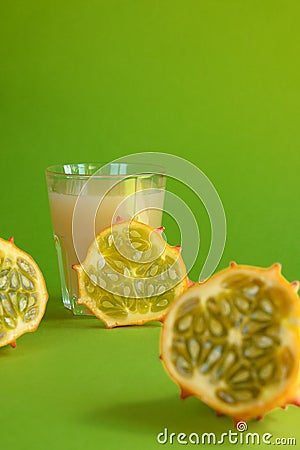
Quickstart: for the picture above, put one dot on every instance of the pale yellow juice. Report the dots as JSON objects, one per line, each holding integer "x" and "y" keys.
{"x": 74, "y": 232}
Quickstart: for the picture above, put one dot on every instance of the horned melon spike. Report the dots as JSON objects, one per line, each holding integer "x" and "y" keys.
{"x": 185, "y": 394}
{"x": 160, "y": 230}
{"x": 276, "y": 266}
{"x": 178, "y": 247}
{"x": 234, "y": 341}
{"x": 295, "y": 285}
{"x": 295, "y": 402}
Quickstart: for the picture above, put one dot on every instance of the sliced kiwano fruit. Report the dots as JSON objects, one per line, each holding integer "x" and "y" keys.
{"x": 23, "y": 293}
{"x": 233, "y": 341}
{"x": 130, "y": 275}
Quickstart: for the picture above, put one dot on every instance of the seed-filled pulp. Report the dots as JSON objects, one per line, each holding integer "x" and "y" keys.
{"x": 130, "y": 275}
{"x": 23, "y": 294}
{"x": 236, "y": 344}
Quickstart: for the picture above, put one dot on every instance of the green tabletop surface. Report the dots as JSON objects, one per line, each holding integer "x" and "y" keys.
{"x": 215, "y": 82}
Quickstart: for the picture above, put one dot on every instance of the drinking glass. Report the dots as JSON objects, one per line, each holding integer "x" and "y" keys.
{"x": 86, "y": 198}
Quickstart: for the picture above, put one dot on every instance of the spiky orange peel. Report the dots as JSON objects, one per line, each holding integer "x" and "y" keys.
{"x": 23, "y": 293}
{"x": 130, "y": 275}
{"x": 234, "y": 342}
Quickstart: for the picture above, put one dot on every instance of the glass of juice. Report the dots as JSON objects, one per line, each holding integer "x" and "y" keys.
{"x": 86, "y": 198}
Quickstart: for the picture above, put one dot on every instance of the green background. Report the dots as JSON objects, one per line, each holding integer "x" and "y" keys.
{"x": 216, "y": 82}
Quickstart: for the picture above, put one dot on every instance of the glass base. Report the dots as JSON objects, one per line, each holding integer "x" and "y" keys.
{"x": 69, "y": 300}
{"x": 77, "y": 310}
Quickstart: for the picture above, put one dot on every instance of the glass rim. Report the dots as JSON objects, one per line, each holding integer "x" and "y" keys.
{"x": 148, "y": 169}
